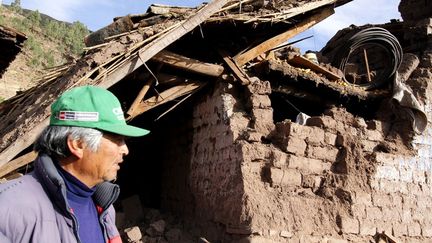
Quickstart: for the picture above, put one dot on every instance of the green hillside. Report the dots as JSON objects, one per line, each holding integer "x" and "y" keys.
{"x": 50, "y": 43}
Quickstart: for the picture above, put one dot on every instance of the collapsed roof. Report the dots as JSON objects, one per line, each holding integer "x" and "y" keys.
{"x": 171, "y": 53}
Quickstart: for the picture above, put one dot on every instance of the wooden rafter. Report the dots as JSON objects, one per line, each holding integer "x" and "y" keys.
{"x": 269, "y": 44}
{"x": 188, "y": 64}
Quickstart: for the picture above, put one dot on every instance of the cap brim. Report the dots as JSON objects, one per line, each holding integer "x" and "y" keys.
{"x": 125, "y": 130}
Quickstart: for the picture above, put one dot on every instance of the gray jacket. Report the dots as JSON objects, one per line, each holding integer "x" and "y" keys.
{"x": 34, "y": 208}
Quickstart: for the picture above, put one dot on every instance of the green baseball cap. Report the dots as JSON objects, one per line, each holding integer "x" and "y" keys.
{"x": 92, "y": 107}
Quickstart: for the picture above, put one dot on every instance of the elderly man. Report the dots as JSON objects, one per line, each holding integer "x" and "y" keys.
{"x": 68, "y": 197}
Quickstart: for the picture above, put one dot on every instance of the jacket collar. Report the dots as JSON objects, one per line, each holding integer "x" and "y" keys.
{"x": 105, "y": 195}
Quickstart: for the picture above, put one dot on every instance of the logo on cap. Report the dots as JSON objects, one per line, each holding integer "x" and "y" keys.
{"x": 78, "y": 116}
{"x": 119, "y": 113}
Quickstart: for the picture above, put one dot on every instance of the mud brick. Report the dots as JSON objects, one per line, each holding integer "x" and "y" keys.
{"x": 325, "y": 122}
{"x": 419, "y": 176}
{"x": 397, "y": 201}
{"x": 350, "y": 225}
{"x": 133, "y": 234}
{"x": 367, "y": 227}
{"x": 420, "y": 214}
{"x": 287, "y": 177}
{"x": 259, "y": 101}
{"x": 295, "y": 146}
{"x": 415, "y": 189}
{"x": 400, "y": 229}
{"x": 255, "y": 151}
{"x": 330, "y": 138}
{"x": 383, "y": 226}
{"x": 359, "y": 122}
{"x": 289, "y": 128}
{"x": 390, "y": 214}
{"x": 316, "y": 136}
{"x": 363, "y": 198}
{"x": 307, "y": 165}
{"x": 381, "y": 200}
{"x": 368, "y": 145}
{"x": 386, "y": 159}
{"x": 387, "y": 172}
{"x": 414, "y": 229}
{"x": 359, "y": 211}
{"x": 263, "y": 120}
{"x": 375, "y": 184}
{"x": 308, "y": 181}
{"x": 426, "y": 230}
{"x": 251, "y": 136}
{"x": 373, "y": 213}
{"x": 406, "y": 216}
{"x": 324, "y": 153}
{"x": 406, "y": 175}
{"x": 374, "y": 135}
{"x": 409, "y": 202}
{"x": 424, "y": 201}
{"x": 286, "y": 234}
{"x": 278, "y": 158}
{"x": 392, "y": 186}
{"x": 259, "y": 87}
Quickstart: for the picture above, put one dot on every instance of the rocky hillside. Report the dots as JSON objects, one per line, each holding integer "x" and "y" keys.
{"x": 50, "y": 43}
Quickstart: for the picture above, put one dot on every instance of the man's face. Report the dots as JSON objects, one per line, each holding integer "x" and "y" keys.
{"x": 103, "y": 164}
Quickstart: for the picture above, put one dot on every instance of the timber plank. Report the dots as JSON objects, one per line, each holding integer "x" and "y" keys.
{"x": 269, "y": 44}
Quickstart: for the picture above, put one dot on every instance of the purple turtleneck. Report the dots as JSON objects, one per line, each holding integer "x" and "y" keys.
{"x": 80, "y": 200}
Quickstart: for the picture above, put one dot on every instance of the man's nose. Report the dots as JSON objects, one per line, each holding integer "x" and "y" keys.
{"x": 124, "y": 149}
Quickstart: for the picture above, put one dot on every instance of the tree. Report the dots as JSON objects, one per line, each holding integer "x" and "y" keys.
{"x": 16, "y": 6}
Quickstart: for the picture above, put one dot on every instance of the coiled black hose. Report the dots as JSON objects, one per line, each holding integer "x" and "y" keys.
{"x": 374, "y": 36}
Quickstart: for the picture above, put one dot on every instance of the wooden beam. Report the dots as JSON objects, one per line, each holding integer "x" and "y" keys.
{"x": 167, "y": 95}
{"x": 148, "y": 51}
{"x": 299, "y": 61}
{"x": 139, "y": 97}
{"x": 269, "y": 44}
{"x": 237, "y": 72}
{"x": 22, "y": 143}
{"x": 188, "y": 64}
{"x": 17, "y": 163}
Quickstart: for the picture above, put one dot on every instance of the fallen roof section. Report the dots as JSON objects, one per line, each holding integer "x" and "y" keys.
{"x": 105, "y": 64}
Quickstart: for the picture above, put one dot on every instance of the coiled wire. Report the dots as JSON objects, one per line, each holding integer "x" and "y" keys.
{"x": 372, "y": 36}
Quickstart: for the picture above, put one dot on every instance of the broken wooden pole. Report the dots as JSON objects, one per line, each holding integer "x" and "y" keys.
{"x": 188, "y": 64}
{"x": 269, "y": 44}
{"x": 17, "y": 163}
{"x": 367, "y": 65}
{"x": 165, "y": 96}
{"x": 236, "y": 70}
{"x": 140, "y": 97}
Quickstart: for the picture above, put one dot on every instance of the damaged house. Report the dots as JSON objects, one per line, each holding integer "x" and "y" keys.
{"x": 11, "y": 43}
{"x": 251, "y": 141}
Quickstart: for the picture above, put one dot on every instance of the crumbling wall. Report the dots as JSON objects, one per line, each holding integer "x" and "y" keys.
{"x": 216, "y": 179}
{"x": 338, "y": 178}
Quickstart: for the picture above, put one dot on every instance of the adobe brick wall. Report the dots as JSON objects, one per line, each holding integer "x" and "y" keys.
{"x": 337, "y": 179}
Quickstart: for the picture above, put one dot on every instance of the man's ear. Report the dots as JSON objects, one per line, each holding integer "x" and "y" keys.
{"x": 76, "y": 147}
